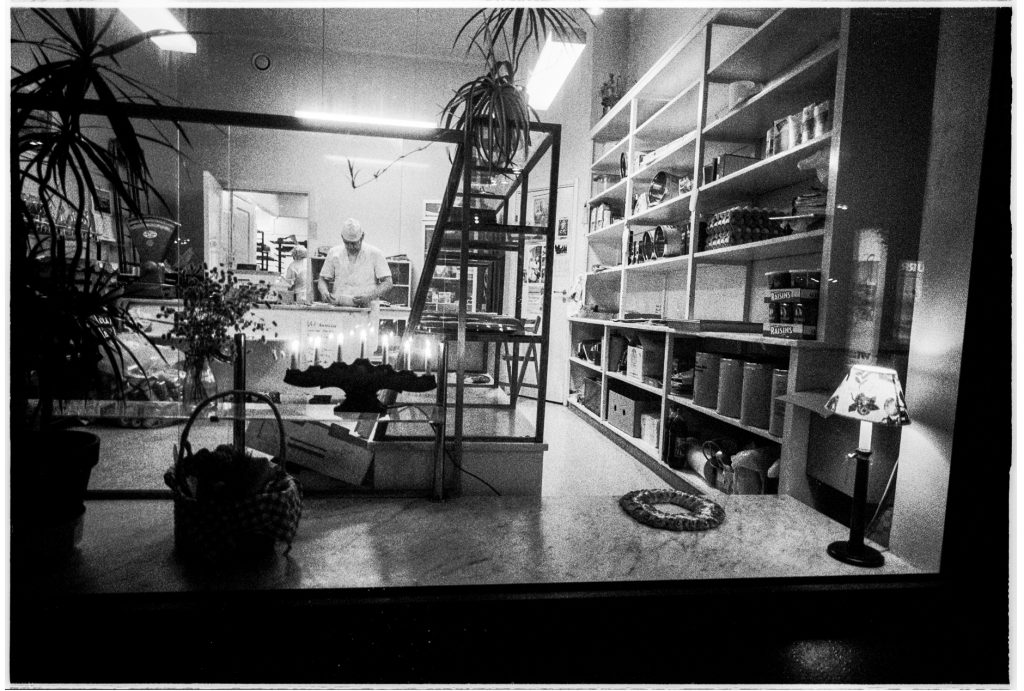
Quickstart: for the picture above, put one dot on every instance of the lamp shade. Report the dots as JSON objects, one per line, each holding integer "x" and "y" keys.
{"x": 871, "y": 394}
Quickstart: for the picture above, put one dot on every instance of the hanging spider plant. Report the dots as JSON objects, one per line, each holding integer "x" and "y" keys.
{"x": 496, "y": 109}
{"x": 494, "y": 105}
{"x": 64, "y": 305}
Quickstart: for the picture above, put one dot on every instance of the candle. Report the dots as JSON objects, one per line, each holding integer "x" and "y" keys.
{"x": 295, "y": 355}
{"x": 362, "y": 343}
{"x": 864, "y": 440}
{"x": 341, "y": 341}
{"x": 385, "y": 350}
{"x": 316, "y": 350}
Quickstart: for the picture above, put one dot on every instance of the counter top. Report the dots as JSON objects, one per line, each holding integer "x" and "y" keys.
{"x": 373, "y": 542}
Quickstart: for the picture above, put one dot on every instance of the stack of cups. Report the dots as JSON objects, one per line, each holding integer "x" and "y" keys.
{"x": 730, "y": 387}
{"x": 705, "y": 380}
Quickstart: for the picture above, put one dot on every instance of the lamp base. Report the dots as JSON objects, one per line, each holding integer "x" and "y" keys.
{"x": 862, "y": 556}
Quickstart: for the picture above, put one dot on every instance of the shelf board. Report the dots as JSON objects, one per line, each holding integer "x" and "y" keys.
{"x": 608, "y": 234}
{"x": 608, "y": 162}
{"x": 665, "y": 265}
{"x": 640, "y": 326}
{"x": 584, "y": 363}
{"x": 711, "y": 412}
{"x": 587, "y": 411}
{"x": 812, "y": 80}
{"x": 758, "y": 339}
{"x": 698, "y": 483}
{"x": 673, "y": 119}
{"x": 813, "y": 401}
{"x": 787, "y": 36}
{"x": 614, "y": 194}
{"x": 674, "y": 210}
{"x": 677, "y": 159}
{"x": 610, "y": 271}
{"x": 635, "y": 382}
{"x": 786, "y": 246}
{"x": 591, "y": 320}
{"x": 764, "y": 176}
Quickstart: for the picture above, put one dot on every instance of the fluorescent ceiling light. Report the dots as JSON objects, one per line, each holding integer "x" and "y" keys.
{"x": 553, "y": 66}
{"x": 595, "y": 11}
{"x": 153, "y": 18}
{"x": 366, "y": 120}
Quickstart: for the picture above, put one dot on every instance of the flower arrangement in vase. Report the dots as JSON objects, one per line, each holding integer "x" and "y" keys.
{"x": 216, "y": 306}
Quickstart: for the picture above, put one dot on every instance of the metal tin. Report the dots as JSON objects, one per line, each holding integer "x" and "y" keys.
{"x": 778, "y": 415}
{"x": 730, "y": 387}
{"x": 755, "y": 403}
{"x": 705, "y": 379}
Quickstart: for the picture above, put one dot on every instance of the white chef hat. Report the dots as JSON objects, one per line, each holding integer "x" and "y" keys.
{"x": 352, "y": 231}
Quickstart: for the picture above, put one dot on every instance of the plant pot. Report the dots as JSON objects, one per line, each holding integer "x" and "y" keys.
{"x": 50, "y": 473}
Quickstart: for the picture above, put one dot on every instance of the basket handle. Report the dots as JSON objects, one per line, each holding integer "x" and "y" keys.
{"x": 224, "y": 394}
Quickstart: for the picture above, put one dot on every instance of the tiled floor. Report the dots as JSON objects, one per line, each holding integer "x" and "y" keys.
{"x": 580, "y": 460}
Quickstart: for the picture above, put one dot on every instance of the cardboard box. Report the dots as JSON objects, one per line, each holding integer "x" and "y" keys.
{"x": 625, "y": 412}
{"x": 645, "y": 361}
{"x": 805, "y": 331}
{"x": 324, "y": 447}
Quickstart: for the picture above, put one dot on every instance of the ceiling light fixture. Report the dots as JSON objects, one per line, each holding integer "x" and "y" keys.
{"x": 365, "y": 120}
{"x": 556, "y": 61}
{"x": 595, "y": 11}
{"x": 154, "y": 18}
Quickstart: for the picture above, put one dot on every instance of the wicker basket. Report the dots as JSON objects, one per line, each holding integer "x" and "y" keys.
{"x": 215, "y": 529}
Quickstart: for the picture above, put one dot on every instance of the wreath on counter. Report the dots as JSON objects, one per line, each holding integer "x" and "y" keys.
{"x": 702, "y": 514}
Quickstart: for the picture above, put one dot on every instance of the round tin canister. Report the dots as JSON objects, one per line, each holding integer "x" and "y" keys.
{"x": 806, "y": 313}
{"x": 730, "y": 386}
{"x": 779, "y": 379}
{"x": 756, "y": 399}
{"x": 705, "y": 379}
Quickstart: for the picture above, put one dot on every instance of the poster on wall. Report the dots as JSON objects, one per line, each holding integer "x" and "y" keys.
{"x": 562, "y": 237}
{"x": 540, "y": 209}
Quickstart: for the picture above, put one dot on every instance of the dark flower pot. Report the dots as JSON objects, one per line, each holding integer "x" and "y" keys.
{"x": 50, "y": 473}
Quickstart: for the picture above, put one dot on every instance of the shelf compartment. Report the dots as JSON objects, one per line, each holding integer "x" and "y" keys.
{"x": 584, "y": 363}
{"x": 635, "y": 382}
{"x": 675, "y": 210}
{"x": 608, "y": 162}
{"x": 609, "y": 234}
{"x": 671, "y": 120}
{"x": 657, "y": 266}
{"x": 711, "y": 412}
{"x": 616, "y": 194}
{"x": 812, "y": 80}
{"x": 786, "y": 246}
{"x": 677, "y": 158}
{"x": 762, "y": 177}
{"x": 781, "y": 41}
{"x": 614, "y": 125}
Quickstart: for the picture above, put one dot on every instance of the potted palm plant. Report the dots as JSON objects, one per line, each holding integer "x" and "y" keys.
{"x": 65, "y": 310}
{"x": 494, "y": 104}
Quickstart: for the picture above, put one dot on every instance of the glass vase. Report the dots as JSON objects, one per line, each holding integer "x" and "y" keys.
{"x": 198, "y": 383}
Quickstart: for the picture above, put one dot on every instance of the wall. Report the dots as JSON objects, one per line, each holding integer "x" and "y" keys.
{"x": 936, "y": 344}
{"x": 652, "y": 30}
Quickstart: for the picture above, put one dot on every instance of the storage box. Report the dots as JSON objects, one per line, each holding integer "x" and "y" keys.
{"x": 325, "y": 447}
{"x": 650, "y": 428}
{"x": 591, "y": 398}
{"x": 625, "y": 412}
{"x": 727, "y": 164}
{"x": 645, "y": 361}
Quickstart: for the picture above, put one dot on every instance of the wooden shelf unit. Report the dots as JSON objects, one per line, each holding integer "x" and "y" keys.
{"x": 680, "y": 108}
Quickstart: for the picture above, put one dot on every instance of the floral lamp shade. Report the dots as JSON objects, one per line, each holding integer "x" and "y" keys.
{"x": 871, "y": 394}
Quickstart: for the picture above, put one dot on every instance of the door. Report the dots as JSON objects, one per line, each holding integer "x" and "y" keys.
{"x": 212, "y": 203}
{"x": 566, "y": 225}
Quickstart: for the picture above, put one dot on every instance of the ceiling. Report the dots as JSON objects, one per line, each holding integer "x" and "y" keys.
{"x": 412, "y": 31}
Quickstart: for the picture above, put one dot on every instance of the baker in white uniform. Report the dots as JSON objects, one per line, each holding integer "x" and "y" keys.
{"x": 359, "y": 270}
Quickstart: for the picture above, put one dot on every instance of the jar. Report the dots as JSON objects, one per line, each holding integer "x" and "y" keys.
{"x": 798, "y": 278}
{"x": 778, "y": 279}
{"x": 773, "y": 313}
{"x": 806, "y": 313}
{"x": 785, "y": 312}
{"x": 822, "y": 118}
{"x": 807, "y": 124}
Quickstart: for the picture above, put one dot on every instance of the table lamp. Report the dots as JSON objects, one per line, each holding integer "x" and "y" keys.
{"x": 874, "y": 396}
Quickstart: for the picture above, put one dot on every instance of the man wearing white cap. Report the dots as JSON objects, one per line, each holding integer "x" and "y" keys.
{"x": 359, "y": 270}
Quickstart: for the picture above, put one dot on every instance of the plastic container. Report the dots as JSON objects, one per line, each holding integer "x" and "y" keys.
{"x": 755, "y": 405}
{"x": 730, "y": 387}
{"x": 778, "y": 408}
{"x": 705, "y": 379}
